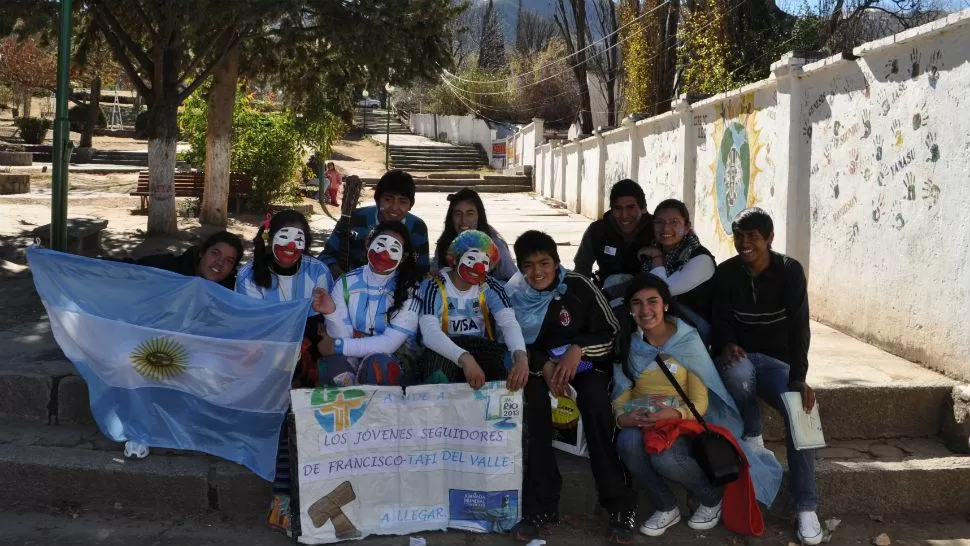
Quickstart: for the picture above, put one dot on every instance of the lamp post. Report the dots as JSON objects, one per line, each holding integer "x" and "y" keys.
{"x": 61, "y": 153}
{"x": 365, "y": 94}
{"x": 387, "y": 142}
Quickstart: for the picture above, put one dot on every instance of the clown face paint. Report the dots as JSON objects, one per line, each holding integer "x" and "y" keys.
{"x": 473, "y": 266}
{"x": 385, "y": 253}
{"x": 288, "y": 245}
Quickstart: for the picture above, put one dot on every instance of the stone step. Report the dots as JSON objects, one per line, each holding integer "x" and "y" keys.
{"x": 49, "y": 390}
{"x": 76, "y": 466}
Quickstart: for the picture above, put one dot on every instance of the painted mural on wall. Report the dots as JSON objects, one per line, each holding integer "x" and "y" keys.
{"x": 738, "y": 144}
{"x": 880, "y": 146}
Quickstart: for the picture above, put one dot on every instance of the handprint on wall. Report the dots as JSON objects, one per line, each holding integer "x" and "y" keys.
{"x": 834, "y": 184}
{"x": 897, "y": 129}
{"x": 892, "y": 67}
{"x": 910, "y": 182}
{"x": 920, "y": 117}
{"x": 936, "y": 63}
{"x": 931, "y": 193}
{"x": 932, "y": 146}
{"x": 866, "y": 124}
{"x": 915, "y": 56}
{"x": 878, "y": 142}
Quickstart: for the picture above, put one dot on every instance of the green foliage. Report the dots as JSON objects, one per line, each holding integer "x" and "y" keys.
{"x": 705, "y": 51}
{"x": 265, "y": 144}
{"x": 639, "y": 59}
{"x": 77, "y": 115}
{"x": 33, "y": 130}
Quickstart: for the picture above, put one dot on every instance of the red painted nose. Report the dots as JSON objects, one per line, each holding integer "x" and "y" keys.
{"x": 480, "y": 268}
{"x": 291, "y": 245}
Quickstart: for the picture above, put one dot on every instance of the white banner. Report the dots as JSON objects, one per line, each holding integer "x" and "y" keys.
{"x": 371, "y": 460}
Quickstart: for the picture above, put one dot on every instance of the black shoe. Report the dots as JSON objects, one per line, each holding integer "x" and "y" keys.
{"x": 531, "y": 528}
{"x": 623, "y": 527}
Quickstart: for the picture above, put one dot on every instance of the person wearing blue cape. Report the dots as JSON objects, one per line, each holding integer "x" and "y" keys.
{"x": 569, "y": 331}
{"x": 644, "y": 397}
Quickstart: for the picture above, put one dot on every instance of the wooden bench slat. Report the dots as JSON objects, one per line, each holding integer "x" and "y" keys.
{"x": 193, "y": 185}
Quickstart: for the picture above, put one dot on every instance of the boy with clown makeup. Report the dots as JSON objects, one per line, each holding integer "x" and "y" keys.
{"x": 463, "y": 311}
{"x": 368, "y": 313}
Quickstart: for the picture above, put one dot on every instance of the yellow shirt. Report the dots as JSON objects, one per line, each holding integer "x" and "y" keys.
{"x": 652, "y": 390}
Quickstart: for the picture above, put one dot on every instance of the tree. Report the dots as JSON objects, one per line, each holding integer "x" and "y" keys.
{"x": 27, "y": 66}
{"x": 533, "y": 32}
{"x": 313, "y": 54}
{"x": 491, "y": 52}
{"x": 575, "y": 36}
{"x": 94, "y": 65}
{"x": 605, "y": 57}
{"x": 167, "y": 53}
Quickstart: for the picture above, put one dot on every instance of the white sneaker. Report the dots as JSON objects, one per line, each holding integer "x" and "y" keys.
{"x": 755, "y": 441}
{"x": 705, "y": 517}
{"x": 660, "y": 522}
{"x": 809, "y": 529}
{"x": 135, "y": 450}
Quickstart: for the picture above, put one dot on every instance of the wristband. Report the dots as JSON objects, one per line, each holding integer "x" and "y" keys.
{"x": 338, "y": 345}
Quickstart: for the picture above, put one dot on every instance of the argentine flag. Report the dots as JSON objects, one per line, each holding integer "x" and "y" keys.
{"x": 174, "y": 361}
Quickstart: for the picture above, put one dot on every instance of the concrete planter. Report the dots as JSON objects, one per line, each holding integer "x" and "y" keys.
{"x": 16, "y": 159}
{"x": 14, "y": 183}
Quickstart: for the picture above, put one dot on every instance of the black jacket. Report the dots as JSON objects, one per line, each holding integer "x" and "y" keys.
{"x": 580, "y": 317}
{"x": 603, "y": 244}
{"x": 766, "y": 314}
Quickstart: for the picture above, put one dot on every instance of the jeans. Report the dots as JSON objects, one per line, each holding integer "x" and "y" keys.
{"x": 541, "y": 481}
{"x": 676, "y": 464}
{"x": 761, "y": 376}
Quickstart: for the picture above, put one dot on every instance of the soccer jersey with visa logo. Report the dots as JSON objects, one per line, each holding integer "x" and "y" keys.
{"x": 462, "y": 313}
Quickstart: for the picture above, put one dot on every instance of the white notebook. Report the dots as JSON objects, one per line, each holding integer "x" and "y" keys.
{"x": 806, "y": 428}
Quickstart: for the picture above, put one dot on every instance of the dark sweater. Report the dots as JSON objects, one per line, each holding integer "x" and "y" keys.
{"x": 604, "y": 244}
{"x": 580, "y": 317}
{"x": 766, "y": 314}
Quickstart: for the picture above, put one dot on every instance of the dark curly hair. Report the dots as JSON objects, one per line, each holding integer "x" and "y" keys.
{"x": 262, "y": 259}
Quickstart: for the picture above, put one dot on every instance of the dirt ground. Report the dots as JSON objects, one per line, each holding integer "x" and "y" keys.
{"x": 106, "y": 196}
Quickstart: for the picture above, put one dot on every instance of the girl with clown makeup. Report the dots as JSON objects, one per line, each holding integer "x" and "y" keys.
{"x": 285, "y": 272}
{"x": 463, "y": 310}
{"x": 368, "y": 313}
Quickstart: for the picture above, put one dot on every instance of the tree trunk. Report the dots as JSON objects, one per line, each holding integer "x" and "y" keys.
{"x": 93, "y": 113}
{"x": 162, "y": 138}
{"x": 218, "y": 144}
{"x": 579, "y": 18}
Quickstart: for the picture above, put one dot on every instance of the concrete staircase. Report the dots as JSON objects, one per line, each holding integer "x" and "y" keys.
{"x": 43, "y": 154}
{"x": 884, "y": 419}
{"x": 374, "y": 121}
{"x": 485, "y": 183}
{"x": 438, "y": 158}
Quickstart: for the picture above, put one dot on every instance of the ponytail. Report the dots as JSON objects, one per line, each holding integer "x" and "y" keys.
{"x": 261, "y": 274}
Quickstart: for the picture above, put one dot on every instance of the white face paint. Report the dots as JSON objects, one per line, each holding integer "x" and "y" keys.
{"x": 385, "y": 253}
{"x": 288, "y": 245}
{"x": 473, "y": 266}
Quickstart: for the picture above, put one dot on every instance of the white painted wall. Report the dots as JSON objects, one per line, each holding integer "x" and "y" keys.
{"x": 864, "y": 166}
{"x": 459, "y": 130}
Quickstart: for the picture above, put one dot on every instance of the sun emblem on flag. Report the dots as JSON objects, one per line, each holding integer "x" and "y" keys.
{"x": 159, "y": 358}
{"x": 338, "y": 409}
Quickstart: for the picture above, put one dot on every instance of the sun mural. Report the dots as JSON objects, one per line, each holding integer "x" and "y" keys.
{"x": 159, "y": 358}
{"x": 738, "y": 140}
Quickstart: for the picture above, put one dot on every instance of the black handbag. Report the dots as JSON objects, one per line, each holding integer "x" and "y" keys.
{"x": 714, "y": 453}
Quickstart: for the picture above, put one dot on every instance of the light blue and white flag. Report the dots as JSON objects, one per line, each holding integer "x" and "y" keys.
{"x": 174, "y": 361}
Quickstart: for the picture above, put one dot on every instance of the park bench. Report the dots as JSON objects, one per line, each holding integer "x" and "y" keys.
{"x": 192, "y": 184}
{"x": 83, "y": 235}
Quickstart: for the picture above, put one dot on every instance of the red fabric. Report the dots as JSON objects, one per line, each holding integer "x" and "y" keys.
{"x": 332, "y": 195}
{"x": 740, "y": 512}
